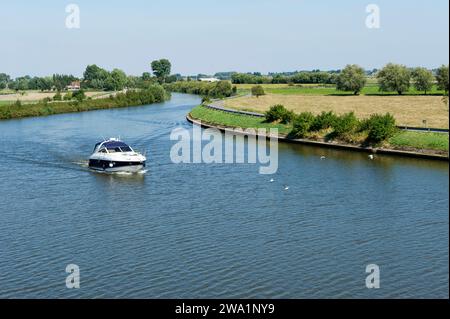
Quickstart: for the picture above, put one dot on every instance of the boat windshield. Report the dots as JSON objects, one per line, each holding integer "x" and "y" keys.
{"x": 122, "y": 149}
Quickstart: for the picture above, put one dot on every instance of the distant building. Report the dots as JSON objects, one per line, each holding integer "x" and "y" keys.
{"x": 208, "y": 79}
{"x": 74, "y": 86}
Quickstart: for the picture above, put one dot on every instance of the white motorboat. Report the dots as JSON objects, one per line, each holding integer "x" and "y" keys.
{"x": 113, "y": 155}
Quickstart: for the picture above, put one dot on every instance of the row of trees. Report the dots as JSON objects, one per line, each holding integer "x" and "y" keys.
{"x": 94, "y": 77}
{"x": 314, "y": 77}
{"x": 394, "y": 78}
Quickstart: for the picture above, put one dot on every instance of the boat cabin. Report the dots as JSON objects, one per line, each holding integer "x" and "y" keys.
{"x": 112, "y": 147}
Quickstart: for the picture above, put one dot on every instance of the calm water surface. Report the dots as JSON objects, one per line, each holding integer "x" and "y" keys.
{"x": 206, "y": 231}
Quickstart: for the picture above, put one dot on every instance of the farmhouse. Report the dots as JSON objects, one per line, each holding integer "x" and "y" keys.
{"x": 74, "y": 86}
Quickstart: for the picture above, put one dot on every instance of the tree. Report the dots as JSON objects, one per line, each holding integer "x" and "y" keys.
{"x": 95, "y": 76}
{"x": 4, "y": 80}
{"x": 394, "y": 77}
{"x": 116, "y": 80}
{"x": 221, "y": 90}
{"x": 352, "y": 79}
{"x": 146, "y": 76}
{"x": 442, "y": 78}
{"x": 258, "y": 91}
{"x": 161, "y": 69}
{"x": 423, "y": 79}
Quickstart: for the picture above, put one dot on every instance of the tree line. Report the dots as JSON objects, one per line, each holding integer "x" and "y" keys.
{"x": 305, "y": 77}
{"x": 353, "y": 78}
{"x": 94, "y": 78}
{"x": 394, "y": 78}
{"x": 153, "y": 94}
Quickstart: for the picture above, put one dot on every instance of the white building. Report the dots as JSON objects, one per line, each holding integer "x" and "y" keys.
{"x": 209, "y": 80}
{"x": 74, "y": 86}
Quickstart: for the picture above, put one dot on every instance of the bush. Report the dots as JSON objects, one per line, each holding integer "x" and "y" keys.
{"x": 206, "y": 100}
{"x": 324, "y": 121}
{"x": 345, "y": 124}
{"x": 258, "y": 91}
{"x": 302, "y": 124}
{"x": 287, "y": 117}
{"x": 220, "y": 89}
{"x": 68, "y": 96}
{"x": 275, "y": 113}
{"x": 57, "y": 96}
{"x": 381, "y": 128}
{"x": 79, "y": 95}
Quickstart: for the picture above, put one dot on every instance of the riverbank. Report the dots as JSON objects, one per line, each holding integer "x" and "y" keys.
{"x": 155, "y": 94}
{"x": 415, "y": 144}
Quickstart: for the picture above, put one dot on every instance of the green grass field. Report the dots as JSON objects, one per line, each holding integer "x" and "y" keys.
{"x": 403, "y": 139}
{"x": 421, "y": 140}
{"x": 284, "y": 89}
{"x": 235, "y": 120}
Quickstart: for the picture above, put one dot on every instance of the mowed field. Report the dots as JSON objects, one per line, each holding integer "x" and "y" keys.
{"x": 408, "y": 110}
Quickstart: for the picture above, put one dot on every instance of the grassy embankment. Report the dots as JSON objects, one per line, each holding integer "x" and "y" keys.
{"x": 420, "y": 141}
{"x": 152, "y": 95}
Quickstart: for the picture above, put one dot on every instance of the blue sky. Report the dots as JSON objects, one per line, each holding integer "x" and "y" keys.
{"x": 208, "y": 36}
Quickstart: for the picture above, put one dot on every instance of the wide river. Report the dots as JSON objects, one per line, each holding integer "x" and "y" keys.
{"x": 207, "y": 231}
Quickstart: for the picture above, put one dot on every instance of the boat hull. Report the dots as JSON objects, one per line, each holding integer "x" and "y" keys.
{"x": 115, "y": 166}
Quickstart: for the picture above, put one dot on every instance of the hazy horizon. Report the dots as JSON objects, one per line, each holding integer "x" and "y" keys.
{"x": 215, "y": 36}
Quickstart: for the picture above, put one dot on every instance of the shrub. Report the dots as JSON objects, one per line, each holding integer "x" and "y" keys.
{"x": 381, "y": 128}
{"x": 345, "y": 124}
{"x": 258, "y": 91}
{"x": 302, "y": 124}
{"x": 57, "y": 96}
{"x": 68, "y": 96}
{"x": 324, "y": 121}
{"x": 79, "y": 95}
{"x": 220, "y": 89}
{"x": 275, "y": 113}
{"x": 206, "y": 100}
{"x": 287, "y": 117}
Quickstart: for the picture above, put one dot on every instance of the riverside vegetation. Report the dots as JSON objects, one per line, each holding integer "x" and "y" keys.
{"x": 77, "y": 102}
{"x": 375, "y": 131}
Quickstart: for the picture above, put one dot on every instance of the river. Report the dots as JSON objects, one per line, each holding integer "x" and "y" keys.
{"x": 212, "y": 231}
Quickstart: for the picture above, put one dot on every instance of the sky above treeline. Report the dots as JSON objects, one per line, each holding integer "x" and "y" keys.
{"x": 209, "y": 36}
